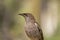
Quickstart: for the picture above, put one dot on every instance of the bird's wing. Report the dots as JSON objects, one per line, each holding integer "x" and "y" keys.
{"x": 40, "y": 30}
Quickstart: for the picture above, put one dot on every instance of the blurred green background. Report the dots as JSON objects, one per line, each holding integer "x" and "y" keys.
{"x": 46, "y": 13}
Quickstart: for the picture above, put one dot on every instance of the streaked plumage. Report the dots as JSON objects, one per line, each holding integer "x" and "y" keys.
{"x": 32, "y": 27}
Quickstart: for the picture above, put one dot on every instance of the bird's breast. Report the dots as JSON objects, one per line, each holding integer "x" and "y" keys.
{"x": 30, "y": 27}
{"x": 31, "y": 30}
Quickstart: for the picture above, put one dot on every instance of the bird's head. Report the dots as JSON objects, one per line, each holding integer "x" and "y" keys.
{"x": 28, "y": 16}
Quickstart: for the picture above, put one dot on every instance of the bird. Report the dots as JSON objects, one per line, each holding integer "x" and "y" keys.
{"x": 32, "y": 28}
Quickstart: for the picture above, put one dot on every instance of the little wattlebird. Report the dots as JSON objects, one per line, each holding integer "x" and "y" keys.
{"x": 32, "y": 27}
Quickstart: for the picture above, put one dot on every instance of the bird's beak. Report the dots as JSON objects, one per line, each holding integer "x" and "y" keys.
{"x": 20, "y": 14}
